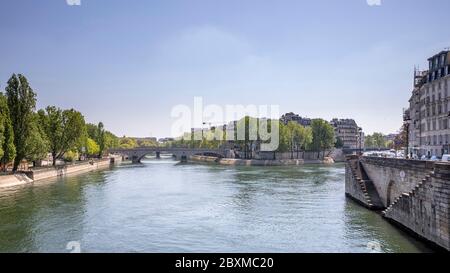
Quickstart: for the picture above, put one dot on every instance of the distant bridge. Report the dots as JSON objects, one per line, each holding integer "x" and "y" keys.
{"x": 137, "y": 154}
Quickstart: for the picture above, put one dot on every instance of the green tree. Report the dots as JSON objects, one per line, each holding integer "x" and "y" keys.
{"x": 323, "y": 135}
{"x": 111, "y": 141}
{"x": 7, "y": 147}
{"x": 295, "y": 138}
{"x": 127, "y": 143}
{"x": 92, "y": 148}
{"x": 304, "y": 139}
{"x": 101, "y": 138}
{"x": 292, "y": 133}
{"x": 369, "y": 142}
{"x": 379, "y": 140}
{"x": 21, "y": 103}
{"x": 339, "y": 143}
{"x": 64, "y": 129}
{"x": 147, "y": 143}
{"x": 38, "y": 145}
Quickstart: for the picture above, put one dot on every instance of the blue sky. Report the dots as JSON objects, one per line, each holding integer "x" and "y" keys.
{"x": 127, "y": 63}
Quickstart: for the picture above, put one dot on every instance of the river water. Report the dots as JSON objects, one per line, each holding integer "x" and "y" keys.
{"x": 164, "y": 206}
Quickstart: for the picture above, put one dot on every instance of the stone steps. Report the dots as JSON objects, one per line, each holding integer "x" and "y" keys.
{"x": 408, "y": 194}
{"x": 369, "y": 191}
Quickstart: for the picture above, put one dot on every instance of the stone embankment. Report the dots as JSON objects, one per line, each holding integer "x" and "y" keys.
{"x": 53, "y": 172}
{"x": 242, "y": 162}
{"x": 414, "y": 195}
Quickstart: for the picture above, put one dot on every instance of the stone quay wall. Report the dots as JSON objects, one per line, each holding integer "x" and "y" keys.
{"x": 415, "y": 194}
{"x": 36, "y": 175}
{"x": 425, "y": 209}
{"x": 392, "y": 176}
{"x": 354, "y": 189}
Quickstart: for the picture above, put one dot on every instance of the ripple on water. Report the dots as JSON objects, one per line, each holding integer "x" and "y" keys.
{"x": 162, "y": 206}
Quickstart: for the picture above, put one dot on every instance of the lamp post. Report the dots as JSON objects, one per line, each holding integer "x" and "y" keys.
{"x": 360, "y": 140}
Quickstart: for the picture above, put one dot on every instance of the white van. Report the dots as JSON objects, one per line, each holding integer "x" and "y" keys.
{"x": 446, "y": 158}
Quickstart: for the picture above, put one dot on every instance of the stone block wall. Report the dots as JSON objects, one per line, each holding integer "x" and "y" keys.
{"x": 392, "y": 177}
{"x": 425, "y": 209}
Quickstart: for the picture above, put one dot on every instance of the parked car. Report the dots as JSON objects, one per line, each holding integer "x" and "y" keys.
{"x": 434, "y": 158}
{"x": 446, "y": 158}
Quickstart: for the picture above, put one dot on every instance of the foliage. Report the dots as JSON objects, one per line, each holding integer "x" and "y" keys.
{"x": 339, "y": 143}
{"x": 323, "y": 135}
{"x": 64, "y": 129}
{"x": 92, "y": 148}
{"x": 7, "y": 147}
{"x": 376, "y": 140}
{"x": 147, "y": 143}
{"x": 38, "y": 145}
{"x": 71, "y": 156}
{"x": 296, "y": 137}
{"x": 21, "y": 103}
{"x": 127, "y": 143}
{"x": 104, "y": 138}
{"x": 401, "y": 140}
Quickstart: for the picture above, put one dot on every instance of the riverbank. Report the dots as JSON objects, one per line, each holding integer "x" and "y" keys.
{"x": 253, "y": 162}
{"x": 40, "y": 174}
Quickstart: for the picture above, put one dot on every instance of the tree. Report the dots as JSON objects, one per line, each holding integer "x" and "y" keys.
{"x": 127, "y": 143}
{"x": 339, "y": 143}
{"x": 369, "y": 142}
{"x": 401, "y": 139}
{"x": 100, "y": 139}
{"x": 92, "y": 148}
{"x": 323, "y": 135}
{"x": 38, "y": 145}
{"x": 111, "y": 141}
{"x": 379, "y": 141}
{"x": 64, "y": 129}
{"x": 21, "y": 103}
{"x": 305, "y": 139}
{"x": 295, "y": 137}
{"x": 7, "y": 147}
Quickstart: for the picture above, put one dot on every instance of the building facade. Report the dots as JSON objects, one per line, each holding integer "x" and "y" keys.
{"x": 349, "y": 133}
{"x": 428, "y": 116}
{"x": 296, "y": 118}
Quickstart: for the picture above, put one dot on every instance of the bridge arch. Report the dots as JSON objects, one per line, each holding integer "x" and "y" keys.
{"x": 137, "y": 154}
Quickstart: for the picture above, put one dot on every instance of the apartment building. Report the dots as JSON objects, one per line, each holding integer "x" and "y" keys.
{"x": 428, "y": 115}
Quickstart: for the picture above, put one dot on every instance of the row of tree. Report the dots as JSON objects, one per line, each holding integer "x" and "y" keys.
{"x": 293, "y": 137}
{"x": 29, "y": 135}
{"x": 380, "y": 141}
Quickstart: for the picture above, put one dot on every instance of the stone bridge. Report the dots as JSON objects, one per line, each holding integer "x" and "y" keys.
{"x": 137, "y": 154}
{"x": 414, "y": 194}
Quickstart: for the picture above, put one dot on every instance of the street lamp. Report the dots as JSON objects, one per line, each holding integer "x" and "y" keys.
{"x": 360, "y": 140}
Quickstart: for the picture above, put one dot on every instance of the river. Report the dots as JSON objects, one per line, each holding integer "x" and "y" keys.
{"x": 164, "y": 206}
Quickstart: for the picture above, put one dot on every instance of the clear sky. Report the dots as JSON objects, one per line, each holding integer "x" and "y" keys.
{"x": 128, "y": 62}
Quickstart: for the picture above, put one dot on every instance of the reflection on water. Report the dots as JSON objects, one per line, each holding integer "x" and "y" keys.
{"x": 163, "y": 206}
